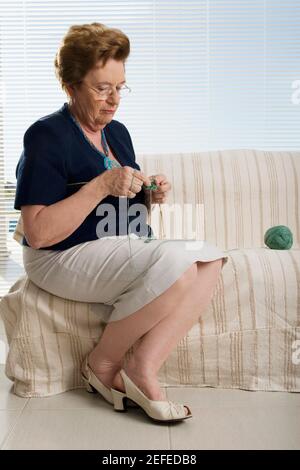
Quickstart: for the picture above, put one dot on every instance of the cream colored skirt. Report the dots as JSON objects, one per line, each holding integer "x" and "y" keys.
{"x": 124, "y": 273}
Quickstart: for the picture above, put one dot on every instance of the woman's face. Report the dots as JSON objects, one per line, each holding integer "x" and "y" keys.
{"x": 91, "y": 109}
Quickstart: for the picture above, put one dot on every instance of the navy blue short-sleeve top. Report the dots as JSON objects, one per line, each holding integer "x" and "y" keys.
{"x": 57, "y": 159}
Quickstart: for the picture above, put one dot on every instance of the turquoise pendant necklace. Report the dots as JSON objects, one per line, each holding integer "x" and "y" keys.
{"x": 109, "y": 164}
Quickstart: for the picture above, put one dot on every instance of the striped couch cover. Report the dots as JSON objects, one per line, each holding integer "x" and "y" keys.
{"x": 247, "y": 338}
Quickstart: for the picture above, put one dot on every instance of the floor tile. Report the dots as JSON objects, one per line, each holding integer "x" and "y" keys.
{"x": 239, "y": 428}
{"x": 7, "y": 420}
{"x": 94, "y": 428}
{"x": 207, "y": 397}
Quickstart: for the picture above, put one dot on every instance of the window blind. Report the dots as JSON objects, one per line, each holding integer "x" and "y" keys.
{"x": 205, "y": 75}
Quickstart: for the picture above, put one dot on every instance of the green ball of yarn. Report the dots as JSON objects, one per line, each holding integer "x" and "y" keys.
{"x": 279, "y": 238}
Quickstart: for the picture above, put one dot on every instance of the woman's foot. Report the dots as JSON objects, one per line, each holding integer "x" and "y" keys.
{"x": 148, "y": 384}
{"x": 105, "y": 371}
{"x": 150, "y": 387}
{"x": 108, "y": 373}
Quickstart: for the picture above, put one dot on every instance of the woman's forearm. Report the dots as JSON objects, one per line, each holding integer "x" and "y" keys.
{"x": 58, "y": 221}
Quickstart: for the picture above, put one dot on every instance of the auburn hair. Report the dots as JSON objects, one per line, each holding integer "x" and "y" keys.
{"x": 85, "y": 45}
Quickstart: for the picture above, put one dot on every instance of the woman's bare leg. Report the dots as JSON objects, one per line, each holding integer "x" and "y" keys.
{"x": 155, "y": 347}
{"x": 119, "y": 336}
{"x": 157, "y": 327}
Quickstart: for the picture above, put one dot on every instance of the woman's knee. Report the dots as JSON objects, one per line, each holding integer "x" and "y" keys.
{"x": 189, "y": 276}
{"x": 214, "y": 266}
{"x": 210, "y": 269}
{"x": 192, "y": 273}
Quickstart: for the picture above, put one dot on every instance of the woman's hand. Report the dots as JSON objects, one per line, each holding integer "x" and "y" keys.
{"x": 159, "y": 196}
{"x": 125, "y": 181}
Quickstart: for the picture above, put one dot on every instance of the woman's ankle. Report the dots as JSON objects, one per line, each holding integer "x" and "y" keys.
{"x": 140, "y": 368}
{"x": 150, "y": 386}
{"x": 102, "y": 365}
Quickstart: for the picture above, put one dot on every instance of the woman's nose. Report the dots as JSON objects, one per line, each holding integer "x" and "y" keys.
{"x": 112, "y": 103}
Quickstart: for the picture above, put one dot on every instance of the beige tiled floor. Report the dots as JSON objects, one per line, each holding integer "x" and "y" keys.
{"x": 222, "y": 419}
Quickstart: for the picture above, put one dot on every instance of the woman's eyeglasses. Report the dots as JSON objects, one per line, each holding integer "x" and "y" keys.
{"x": 106, "y": 90}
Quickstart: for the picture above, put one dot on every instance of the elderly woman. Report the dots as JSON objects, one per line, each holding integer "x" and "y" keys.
{"x": 77, "y": 165}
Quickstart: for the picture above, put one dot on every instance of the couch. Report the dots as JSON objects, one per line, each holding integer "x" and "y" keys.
{"x": 245, "y": 339}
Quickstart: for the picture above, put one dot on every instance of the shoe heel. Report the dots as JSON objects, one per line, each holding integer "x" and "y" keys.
{"x": 88, "y": 386}
{"x": 120, "y": 400}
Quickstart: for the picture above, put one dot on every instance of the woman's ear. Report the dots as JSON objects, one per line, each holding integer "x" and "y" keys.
{"x": 69, "y": 90}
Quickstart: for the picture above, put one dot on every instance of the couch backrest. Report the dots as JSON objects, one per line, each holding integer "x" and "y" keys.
{"x": 243, "y": 192}
{"x": 234, "y": 195}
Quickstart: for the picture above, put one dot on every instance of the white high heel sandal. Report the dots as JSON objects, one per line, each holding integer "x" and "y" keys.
{"x": 157, "y": 410}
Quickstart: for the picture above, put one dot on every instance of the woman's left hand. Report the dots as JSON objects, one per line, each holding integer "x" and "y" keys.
{"x": 159, "y": 196}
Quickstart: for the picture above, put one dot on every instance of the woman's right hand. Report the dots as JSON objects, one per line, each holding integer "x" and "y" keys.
{"x": 125, "y": 181}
